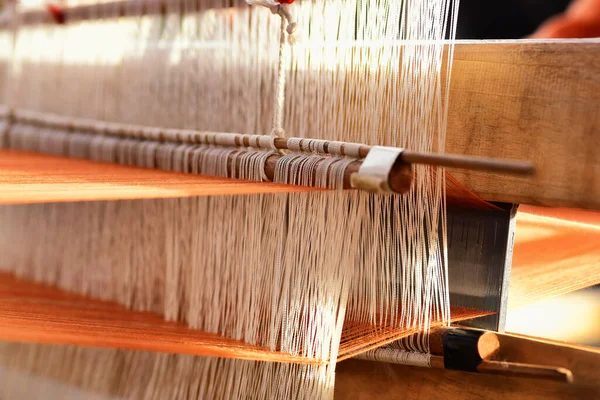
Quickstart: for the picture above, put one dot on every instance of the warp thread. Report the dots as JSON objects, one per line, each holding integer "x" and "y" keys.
{"x": 198, "y": 69}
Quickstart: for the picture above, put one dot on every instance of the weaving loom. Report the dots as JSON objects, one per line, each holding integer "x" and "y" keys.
{"x": 215, "y": 199}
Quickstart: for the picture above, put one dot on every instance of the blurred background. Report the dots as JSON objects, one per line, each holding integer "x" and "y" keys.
{"x": 574, "y": 318}
{"x": 505, "y": 19}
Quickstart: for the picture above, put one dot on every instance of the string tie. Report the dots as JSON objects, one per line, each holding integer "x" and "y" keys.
{"x": 57, "y": 13}
{"x": 288, "y": 26}
{"x": 280, "y": 8}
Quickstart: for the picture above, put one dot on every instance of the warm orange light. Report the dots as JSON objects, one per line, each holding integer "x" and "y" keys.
{"x": 572, "y": 318}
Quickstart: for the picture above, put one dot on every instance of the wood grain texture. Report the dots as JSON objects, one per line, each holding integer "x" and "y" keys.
{"x": 365, "y": 380}
{"x": 35, "y": 178}
{"x": 582, "y": 361}
{"x": 529, "y": 100}
{"x": 556, "y": 251}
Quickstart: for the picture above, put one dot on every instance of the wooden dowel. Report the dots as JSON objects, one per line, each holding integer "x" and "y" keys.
{"x": 504, "y": 368}
{"x": 110, "y": 9}
{"x": 400, "y": 178}
{"x": 356, "y": 150}
{"x": 445, "y": 160}
{"x": 470, "y": 162}
{"x": 486, "y": 345}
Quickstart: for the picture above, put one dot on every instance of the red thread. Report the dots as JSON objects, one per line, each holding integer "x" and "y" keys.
{"x": 57, "y": 13}
{"x": 285, "y": 1}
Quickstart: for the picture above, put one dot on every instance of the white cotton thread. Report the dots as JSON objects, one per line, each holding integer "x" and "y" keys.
{"x": 394, "y": 356}
{"x": 366, "y": 76}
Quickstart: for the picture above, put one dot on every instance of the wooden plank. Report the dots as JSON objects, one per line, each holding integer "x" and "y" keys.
{"x": 362, "y": 380}
{"x": 27, "y": 178}
{"x": 582, "y": 361}
{"x": 33, "y": 178}
{"x": 529, "y": 100}
{"x": 34, "y": 313}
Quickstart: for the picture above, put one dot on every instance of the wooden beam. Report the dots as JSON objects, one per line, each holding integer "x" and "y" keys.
{"x": 362, "y": 380}
{"x": 582, "y": 361}
{"x": 529, "y": 100}
{"x": 357, "y": 379}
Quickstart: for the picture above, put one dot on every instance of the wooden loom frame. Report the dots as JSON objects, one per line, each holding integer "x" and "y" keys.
{"x": 534, "y": 100}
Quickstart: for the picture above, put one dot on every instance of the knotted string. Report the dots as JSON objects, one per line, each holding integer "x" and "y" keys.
{"x": 288, "y": 27}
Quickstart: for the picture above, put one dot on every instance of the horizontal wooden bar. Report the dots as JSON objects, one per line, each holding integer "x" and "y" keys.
{"x": 529, "y": 100}
{"x": 58, "y": 14}
{"x": 584, "y": 361}
{"x": 265, "y": 142}
{"x": 358, "y": 379}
